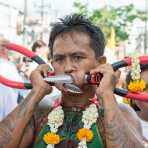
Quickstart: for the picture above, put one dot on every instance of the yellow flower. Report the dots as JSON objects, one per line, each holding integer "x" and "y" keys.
{"x": 137, "y": 86}
{"x": 85, "y": 133}
{"x": 51, "y": 138}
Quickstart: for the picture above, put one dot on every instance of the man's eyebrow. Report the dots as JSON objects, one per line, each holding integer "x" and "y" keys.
{"x": 58, "y": 55}
{"x": 77, "y": 53}
{"x": 72, "y": 53}
{"x": 69, "y": 54}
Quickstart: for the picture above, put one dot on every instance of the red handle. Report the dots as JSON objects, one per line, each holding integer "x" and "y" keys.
{"x": 94, "y": 79}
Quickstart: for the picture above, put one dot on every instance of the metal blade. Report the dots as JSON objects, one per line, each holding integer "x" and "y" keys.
{"x": 62, "y": 78}
{"x": 67, "y": 81}
{"x": 72, "y": 88}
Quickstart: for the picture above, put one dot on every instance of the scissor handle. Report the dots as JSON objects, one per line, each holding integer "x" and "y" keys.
{"x": 119, "y": 64}
{"x": 14, "y": 84}
{"x": 28, "y": 53}
{"x": 124, "y": 92}
{"x": 128, "y": 60}
{"x": 141, "y": 96}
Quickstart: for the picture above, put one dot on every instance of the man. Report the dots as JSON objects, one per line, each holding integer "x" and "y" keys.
{"x": 40, "y": 48}
{"x": 140, "y": 106}
{"x": 77, "y": 47}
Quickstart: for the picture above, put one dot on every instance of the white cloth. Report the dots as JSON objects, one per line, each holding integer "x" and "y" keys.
{"x": 49, "y": 100}
{"x": 8, "y": 96}
{"x": 8, "y": 100}
{"x": 9, "y": 70}
{"x": 144, "y": 128}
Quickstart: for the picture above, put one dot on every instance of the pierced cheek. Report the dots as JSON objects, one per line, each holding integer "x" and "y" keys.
{"x": 58, "y": 69}
{"x": 79, "y": 78}
{"x": 76, "y": 66}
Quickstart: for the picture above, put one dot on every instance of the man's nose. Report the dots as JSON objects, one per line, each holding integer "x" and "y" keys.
{"x": 69, "y": 66}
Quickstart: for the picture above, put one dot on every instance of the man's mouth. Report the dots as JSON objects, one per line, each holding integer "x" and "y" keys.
{"x": 73, "y": 88}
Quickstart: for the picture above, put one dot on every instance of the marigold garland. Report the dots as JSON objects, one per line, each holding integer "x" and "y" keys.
{"x": 137, "y": 86}
{"x": 55, "y": 120}
{"x": 85, "y": 133}
{"x": 51, "y": 138}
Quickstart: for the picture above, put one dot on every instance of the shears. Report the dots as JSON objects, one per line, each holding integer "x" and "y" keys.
{"x": 65, "y": 80}
{"x": 68, "y": 81}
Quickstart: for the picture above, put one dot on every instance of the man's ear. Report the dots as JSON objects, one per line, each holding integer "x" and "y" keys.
{"x": 51, "y": 61}
{"x": 50, "y": 64}
{"x": 102, "y": 59}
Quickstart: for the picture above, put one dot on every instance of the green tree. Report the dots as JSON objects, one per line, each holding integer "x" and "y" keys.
{"x": 119, "y": 18}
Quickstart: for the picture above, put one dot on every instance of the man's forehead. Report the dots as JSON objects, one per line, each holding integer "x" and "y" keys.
{"x": 72, "y": 37}
{"x": 70, "y": 53}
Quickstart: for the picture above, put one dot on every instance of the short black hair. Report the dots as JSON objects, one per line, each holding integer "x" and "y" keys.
{"x": 80, "y": 23}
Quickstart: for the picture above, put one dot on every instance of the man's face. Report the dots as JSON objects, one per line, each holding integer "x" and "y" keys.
{"x": 73, "y": 55}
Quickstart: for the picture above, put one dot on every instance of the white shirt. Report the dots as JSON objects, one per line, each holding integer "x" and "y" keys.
{"x": 49, "y": 100}
{"x": 8, "y": 96}
{"x": 144, "y": 125}
{"x": 9, "y": 70}
{"x": 8, "y": 100}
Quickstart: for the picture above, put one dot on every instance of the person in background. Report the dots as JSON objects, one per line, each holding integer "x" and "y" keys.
{"x": 141, "y": 107}
{"x": 40, "y": 48}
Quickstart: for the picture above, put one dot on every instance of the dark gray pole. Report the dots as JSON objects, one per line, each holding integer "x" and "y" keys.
{"x": 24, "y": 21}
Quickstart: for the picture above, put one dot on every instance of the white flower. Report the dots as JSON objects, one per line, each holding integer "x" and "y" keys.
{"x": 82, "y": 144}
{"x": 56, "y": 117}
{"x": 90, "y": 116}
{"x": 135, "y": 67}
{"x": 50, "y": 146}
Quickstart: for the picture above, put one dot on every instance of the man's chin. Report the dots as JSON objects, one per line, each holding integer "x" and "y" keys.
{"x": 83, "y": 89}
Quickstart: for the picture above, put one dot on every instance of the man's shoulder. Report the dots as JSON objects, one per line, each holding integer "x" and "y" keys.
{"x": 126, "y": 108}
{"x": 131, "y": 116}
{"x": 129, "y": 111}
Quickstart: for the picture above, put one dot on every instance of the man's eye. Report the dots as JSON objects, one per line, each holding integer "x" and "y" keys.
{"x": 78, "y": 57}
{"x": 58, "y": 59}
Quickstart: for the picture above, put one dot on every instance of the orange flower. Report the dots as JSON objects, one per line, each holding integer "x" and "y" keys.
{"x": 85, "y": 133}
{"x": 51, "y": 138}
{"x": 137, "y": 86}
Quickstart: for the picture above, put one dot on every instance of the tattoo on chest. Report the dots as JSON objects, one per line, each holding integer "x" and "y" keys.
{"x": 41, "y": 118}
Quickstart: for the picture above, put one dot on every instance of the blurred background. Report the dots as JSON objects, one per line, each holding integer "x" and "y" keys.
{"x": 124, "y": 22}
